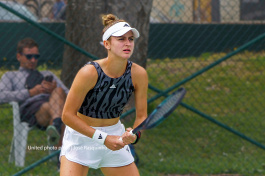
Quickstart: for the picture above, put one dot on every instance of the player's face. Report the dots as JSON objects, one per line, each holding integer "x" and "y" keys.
{"x": 29, "y": 58}
{"x": 123, "y": 46}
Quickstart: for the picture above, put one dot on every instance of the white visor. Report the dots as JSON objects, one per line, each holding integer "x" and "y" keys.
{"x": 119, "y": 29}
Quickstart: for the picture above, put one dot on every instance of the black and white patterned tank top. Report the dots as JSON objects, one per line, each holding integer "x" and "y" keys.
{"x": 109, "y": 96}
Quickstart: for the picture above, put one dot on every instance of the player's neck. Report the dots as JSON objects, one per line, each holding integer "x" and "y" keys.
{"x": 114, "y": 67}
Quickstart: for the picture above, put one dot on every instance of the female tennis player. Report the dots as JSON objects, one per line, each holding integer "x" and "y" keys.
{"x": 95, "y": 102}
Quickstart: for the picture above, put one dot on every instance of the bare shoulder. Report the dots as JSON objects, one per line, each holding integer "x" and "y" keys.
{"x": 139, "y": 74}
{"x": 88, "y": 70}
{"x": 138, "y": 70}
{"x": 87, "y": 75}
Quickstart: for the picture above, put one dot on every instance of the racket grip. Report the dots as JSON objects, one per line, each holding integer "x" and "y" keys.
{"x": 130, "y": 133}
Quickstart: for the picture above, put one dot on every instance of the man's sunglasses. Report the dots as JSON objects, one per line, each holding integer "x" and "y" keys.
{"x": 30, "y": 56}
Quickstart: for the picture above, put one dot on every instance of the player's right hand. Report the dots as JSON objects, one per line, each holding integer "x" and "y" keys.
{"x": 113, "y": 142}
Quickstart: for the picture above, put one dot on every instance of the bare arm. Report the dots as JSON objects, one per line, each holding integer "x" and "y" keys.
{"x": 140, "y": 81}
{"x": 83, "y": 82}
{"x": 141, "y": 86}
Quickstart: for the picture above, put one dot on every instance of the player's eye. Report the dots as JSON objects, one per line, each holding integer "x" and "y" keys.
{"x": 120, "y": 38}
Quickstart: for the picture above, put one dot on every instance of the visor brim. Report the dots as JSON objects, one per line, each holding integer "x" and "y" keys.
{"x": 125, "y": 30}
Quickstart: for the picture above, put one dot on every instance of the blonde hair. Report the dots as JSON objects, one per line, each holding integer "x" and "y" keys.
{"x": 109, "y": 20}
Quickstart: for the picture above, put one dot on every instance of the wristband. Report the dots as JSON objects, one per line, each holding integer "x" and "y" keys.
{"x": 138, "y": 136}
{"x": 99, "y": 136}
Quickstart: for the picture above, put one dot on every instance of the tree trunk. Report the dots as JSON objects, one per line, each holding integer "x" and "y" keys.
{"x": 84, "y": 29}
{"x": 137, "y": 14}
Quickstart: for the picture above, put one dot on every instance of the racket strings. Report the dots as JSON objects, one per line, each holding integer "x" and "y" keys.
{"x": 165, "y": 108}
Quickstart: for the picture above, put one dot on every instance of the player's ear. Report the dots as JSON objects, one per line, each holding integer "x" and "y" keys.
{"x": 106, "y": 44}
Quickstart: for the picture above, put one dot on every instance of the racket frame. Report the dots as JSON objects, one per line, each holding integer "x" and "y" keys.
{"x": 143, "y": 126}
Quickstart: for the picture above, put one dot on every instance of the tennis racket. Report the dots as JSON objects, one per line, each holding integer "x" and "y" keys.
{"x": 163, "y": 110}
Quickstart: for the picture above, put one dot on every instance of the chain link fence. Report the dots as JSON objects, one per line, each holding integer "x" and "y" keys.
{"x": 213, "y": 48}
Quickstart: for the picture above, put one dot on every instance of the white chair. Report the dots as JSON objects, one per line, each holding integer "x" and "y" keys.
{"x": 20, "y": 137}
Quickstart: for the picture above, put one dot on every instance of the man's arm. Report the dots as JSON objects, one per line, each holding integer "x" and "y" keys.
{"x": 7, "y": 91}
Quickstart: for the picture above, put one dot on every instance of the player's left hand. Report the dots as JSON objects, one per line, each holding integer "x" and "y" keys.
{"x": 128, "y": 137}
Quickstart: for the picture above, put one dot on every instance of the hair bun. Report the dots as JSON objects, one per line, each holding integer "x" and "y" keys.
{"x": 108, "y": 19}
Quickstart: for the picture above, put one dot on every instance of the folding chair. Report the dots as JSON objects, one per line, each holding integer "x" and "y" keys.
{"x": 20, "y": 137}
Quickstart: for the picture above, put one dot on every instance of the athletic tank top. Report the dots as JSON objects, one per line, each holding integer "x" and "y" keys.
{"x": 109, "y": 96}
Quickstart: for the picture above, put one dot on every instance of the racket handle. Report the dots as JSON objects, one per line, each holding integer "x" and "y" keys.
{"x": 130, "y": 132}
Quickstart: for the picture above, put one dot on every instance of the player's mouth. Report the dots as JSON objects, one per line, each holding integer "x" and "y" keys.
{"x": 127, "y": 50}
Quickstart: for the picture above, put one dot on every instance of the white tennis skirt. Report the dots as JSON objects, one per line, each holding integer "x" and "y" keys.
{"x": 83, "y": 150}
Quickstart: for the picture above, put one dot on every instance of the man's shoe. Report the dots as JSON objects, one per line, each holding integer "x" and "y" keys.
{"x": 53, "y": 135}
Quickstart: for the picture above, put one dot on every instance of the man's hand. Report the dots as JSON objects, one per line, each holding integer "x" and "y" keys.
{"x": 44, "y": 87}
{"x": 48, "y": 86}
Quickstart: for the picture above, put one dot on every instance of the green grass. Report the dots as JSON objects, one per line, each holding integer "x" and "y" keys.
{"x": 186, "y": 143}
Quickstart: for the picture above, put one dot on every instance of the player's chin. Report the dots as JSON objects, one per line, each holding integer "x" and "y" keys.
{"x": 126, "y": 56}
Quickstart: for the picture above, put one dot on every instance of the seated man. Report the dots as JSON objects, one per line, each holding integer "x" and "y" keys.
{"x": 41, "y": 95}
